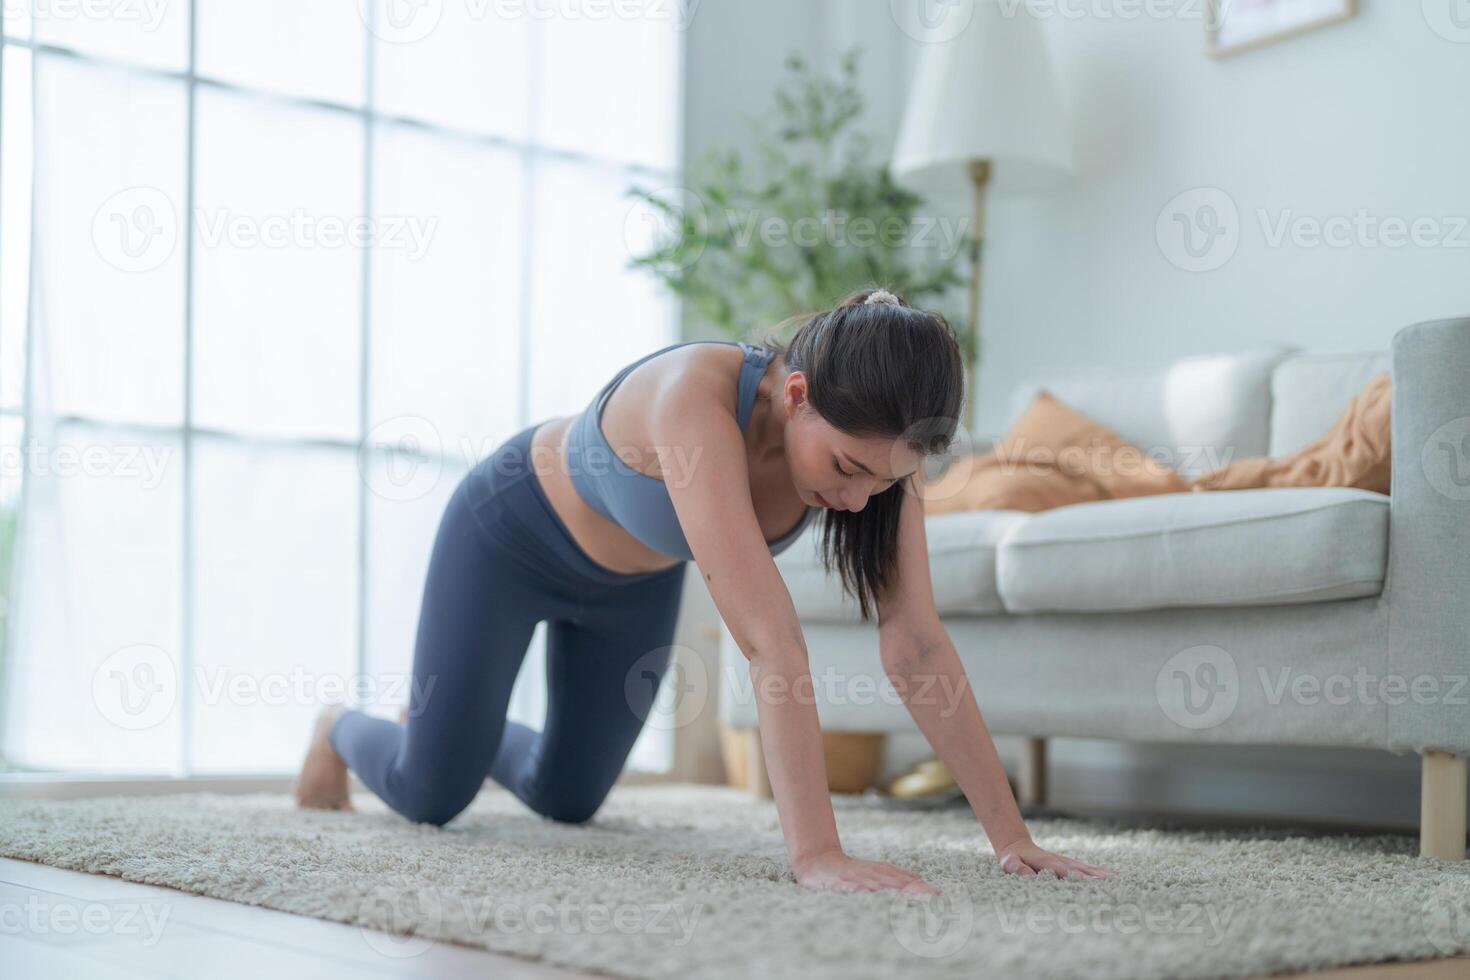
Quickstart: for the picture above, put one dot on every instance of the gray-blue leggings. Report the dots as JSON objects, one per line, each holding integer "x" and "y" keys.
{"x": 502, "y": 562}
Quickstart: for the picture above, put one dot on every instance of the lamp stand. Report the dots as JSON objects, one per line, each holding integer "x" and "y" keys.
{"x": 979, "y": 178}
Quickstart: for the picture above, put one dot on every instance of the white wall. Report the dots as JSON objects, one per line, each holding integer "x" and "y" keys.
{"x": 1371, "y": 114}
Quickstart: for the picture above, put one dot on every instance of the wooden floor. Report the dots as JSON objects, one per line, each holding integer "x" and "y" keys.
{"x": 191, "y": 937}
{"x": 76, "y": 926}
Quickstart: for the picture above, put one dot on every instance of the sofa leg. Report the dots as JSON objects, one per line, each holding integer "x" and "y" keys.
{"x": 1442, "y": 806}
{"x": 757, "y": 778}
{"x": 1032, "y": 775}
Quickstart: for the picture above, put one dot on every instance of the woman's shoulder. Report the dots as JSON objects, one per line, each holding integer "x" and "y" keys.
{"x": 691, "y": 370}
{"x": 691, "y": 379}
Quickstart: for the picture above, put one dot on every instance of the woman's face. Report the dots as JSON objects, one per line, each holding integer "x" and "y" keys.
{"x": 831, "y": 468}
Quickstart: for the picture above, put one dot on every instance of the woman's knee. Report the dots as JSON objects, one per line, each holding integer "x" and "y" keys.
{"x": 569, "y": 806}
{"x": 435, "y": 805}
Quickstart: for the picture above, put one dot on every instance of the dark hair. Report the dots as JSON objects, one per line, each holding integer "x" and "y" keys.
{"x": 875, "y": 369}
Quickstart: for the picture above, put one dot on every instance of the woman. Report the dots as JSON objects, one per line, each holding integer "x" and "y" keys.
{"x": 726, "y": 452}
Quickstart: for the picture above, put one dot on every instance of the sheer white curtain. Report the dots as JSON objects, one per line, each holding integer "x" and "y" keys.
{"x": 274, "y": 275}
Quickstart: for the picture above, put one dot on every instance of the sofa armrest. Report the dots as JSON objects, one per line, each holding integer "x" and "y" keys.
{"x": 1428, "y": 582}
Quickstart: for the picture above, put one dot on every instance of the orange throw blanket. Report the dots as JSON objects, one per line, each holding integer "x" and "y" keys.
{"x": 1354, "y": 453}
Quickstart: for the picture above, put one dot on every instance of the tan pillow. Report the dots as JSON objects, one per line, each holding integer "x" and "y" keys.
{"x": 1353, "y": 453}
{"x": 1053, "y": 456}
{"x": 984, "y": 481}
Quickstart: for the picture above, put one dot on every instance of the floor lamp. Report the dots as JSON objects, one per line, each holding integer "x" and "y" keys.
{"x": 983, "y": 116}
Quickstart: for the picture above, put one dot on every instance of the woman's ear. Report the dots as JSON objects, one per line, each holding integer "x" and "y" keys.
{"x": 793, "y": 393}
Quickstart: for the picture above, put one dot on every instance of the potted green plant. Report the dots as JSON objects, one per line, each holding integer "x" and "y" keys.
{"x": 798, "y": 216}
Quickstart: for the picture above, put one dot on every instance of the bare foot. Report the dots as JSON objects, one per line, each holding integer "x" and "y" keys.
{"x": 322, "y": 783}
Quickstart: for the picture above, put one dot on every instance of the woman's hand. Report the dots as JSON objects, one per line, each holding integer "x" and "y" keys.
{"x": 1023, "y": 857}
{"x": 837, "y": 871}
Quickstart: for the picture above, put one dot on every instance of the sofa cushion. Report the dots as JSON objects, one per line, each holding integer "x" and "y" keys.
{"x": 1194, "y": 414}
{"x": 1310, "y": 391}
{"x": 961, "y": 567}
{"x": 1226, "y": 548}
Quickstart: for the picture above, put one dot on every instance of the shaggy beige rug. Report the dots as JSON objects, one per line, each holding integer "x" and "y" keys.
{"x": 678, "y": 881}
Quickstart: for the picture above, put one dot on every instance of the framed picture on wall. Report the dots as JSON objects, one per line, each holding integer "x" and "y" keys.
{"x": 1238, "y": 25}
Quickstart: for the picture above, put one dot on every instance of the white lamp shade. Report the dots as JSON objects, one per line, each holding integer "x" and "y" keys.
{"x": 986, "y": 94}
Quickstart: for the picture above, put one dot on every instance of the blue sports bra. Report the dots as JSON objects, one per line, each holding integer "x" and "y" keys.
{"x": 640, "y": 503}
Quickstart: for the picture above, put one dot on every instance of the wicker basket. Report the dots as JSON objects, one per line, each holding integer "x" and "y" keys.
{"x": 854, "y": 759}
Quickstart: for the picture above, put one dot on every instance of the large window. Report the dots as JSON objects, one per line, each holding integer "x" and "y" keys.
{"x": 273, "y": 274}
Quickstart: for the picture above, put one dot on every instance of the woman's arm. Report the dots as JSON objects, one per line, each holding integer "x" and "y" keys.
{"x": 702, "y": 453}
{"x": 920, "y": 660}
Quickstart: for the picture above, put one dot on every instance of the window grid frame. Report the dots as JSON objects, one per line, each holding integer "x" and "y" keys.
{"x": 531, "y": 153}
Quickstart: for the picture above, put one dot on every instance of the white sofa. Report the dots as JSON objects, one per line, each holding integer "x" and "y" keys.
{"x": 1318, "y": 616}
